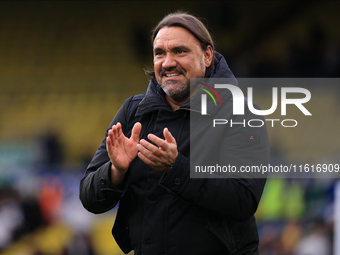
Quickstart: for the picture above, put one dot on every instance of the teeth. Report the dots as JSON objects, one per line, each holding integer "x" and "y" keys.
{"x": 172, "y": 74}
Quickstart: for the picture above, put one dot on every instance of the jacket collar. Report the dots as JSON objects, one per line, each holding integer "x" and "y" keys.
{"x": 155, "y": 96}
{"x": 154, "y": 99}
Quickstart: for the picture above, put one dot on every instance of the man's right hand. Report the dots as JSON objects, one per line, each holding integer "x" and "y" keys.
{"x": 121, "y": 150}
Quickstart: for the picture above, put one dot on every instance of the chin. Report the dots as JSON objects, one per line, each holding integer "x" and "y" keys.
{"x": 178, "y": 95}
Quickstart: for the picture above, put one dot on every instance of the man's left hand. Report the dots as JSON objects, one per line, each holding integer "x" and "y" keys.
{"x": 162, "y": 156}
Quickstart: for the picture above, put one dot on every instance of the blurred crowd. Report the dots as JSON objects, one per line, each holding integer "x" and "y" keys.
{"x": 296, "y": 217}
{"x": 44, "y": 217}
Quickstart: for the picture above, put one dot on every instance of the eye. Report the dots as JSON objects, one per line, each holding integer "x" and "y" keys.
{"x": 180, "y": 51}
{"x": 158, "y": 53}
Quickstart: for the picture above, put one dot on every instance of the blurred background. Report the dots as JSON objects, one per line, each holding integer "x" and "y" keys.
{"x": 67, "y": 66}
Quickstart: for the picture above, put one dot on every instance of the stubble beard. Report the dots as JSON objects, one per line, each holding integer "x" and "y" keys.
{"x": 180, "y": 91}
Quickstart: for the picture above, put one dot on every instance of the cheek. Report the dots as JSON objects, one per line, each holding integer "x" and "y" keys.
{"x": 198, "y": 66}
{"x": 197, "y": 69}
{"x": 156, "y": 66}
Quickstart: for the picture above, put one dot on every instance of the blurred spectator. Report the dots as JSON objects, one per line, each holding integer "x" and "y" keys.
{"x": 315, "y": 242}
{"x": 32, "y": 216}
{"x": 52, "y": 150}
{"x": 11, "y": 216}
{"x": 290, "y": 236}
{"x": 50, "y": 199}
{"x": 80, "y": 244}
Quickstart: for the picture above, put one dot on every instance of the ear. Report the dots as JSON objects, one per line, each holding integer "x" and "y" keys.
{"x": 208, "y": 55}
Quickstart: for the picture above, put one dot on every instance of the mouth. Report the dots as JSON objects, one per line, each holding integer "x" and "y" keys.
{"x": 171, "y": 74}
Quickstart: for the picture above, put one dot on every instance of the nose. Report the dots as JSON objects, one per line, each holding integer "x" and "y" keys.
{"x": 169, "y": 61}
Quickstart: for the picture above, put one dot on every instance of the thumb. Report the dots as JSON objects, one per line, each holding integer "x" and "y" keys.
{"x": 136, "y": 132}
{"x": 168, "y": 136}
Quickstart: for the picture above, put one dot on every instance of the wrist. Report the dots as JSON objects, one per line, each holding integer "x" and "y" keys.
{"x": 117, "y": 176}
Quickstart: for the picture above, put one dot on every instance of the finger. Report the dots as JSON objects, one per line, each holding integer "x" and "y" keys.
{"x": 108, "y": 141}
{"x": 168, "y": 136}
{"x": 111, "y": 134}
{"x": 116, "y": 131}
{"x": 157, "y": 165}
{"x": 119, "y": 131}
{"x": 147, "y": 153}
{"x": 149, "y": 146}
{"x": 136, "y": 132}
{"x": 109, "y": 145}
{"x": 147, "y": 160}
{"x": 159, "y": 141}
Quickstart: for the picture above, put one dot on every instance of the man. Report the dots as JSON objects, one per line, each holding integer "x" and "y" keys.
{"x": 144, "y": 162}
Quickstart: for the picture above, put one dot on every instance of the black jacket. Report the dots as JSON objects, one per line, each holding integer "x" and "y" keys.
{"x": 173, "y": 213}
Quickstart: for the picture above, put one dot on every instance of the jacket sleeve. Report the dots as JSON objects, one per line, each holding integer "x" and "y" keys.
{"x": 97, "y": 193}
{"x": 234, "y": 198}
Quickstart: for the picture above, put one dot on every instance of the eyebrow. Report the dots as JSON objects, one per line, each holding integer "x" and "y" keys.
{"x": 181, "y": 47}
{"x": 176, "y": 48}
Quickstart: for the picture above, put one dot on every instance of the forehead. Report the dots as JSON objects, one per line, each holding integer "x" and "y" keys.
{"x": 171, "y": 36}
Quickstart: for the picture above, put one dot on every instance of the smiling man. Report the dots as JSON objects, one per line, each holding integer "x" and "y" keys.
{"x": 178, "y": 56}
{"x": 144, "y": 160}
